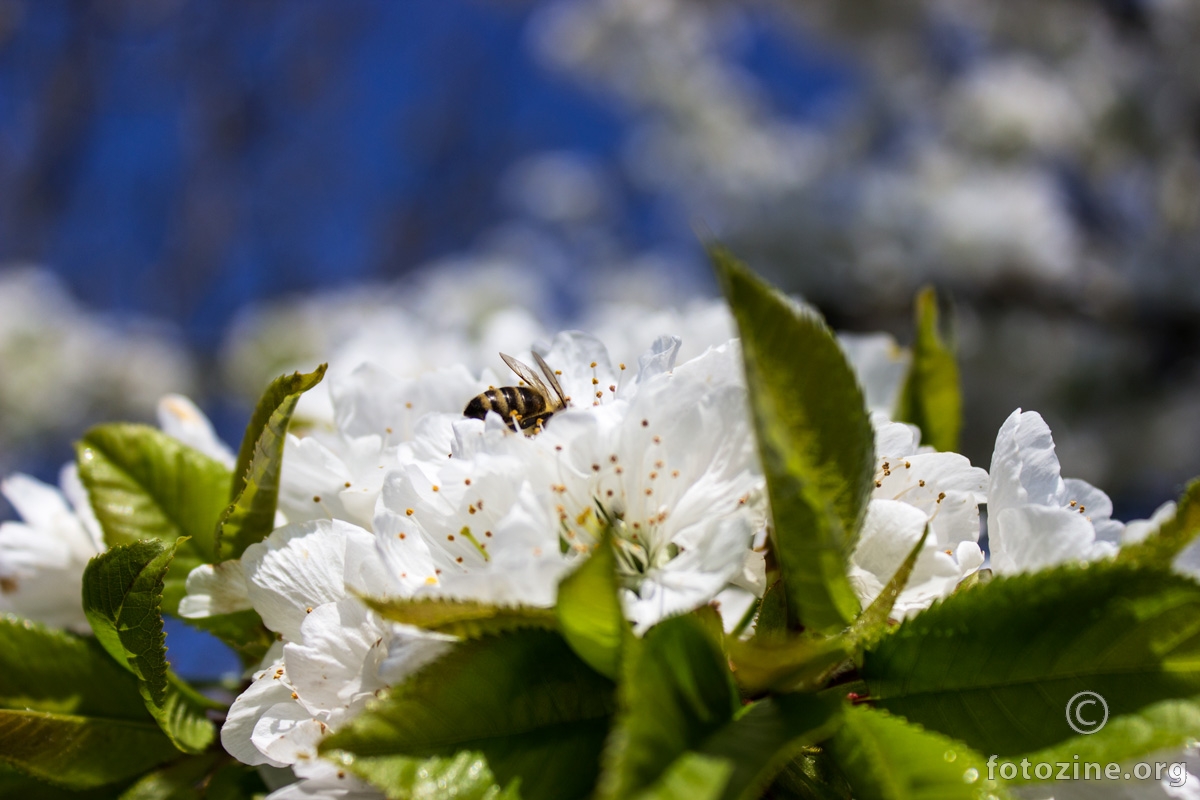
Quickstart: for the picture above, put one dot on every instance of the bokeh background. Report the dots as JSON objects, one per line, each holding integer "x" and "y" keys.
{"x": 198, "y": 194}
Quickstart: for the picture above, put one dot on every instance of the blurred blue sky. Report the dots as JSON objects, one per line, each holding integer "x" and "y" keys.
{"x": 184, "y": 158}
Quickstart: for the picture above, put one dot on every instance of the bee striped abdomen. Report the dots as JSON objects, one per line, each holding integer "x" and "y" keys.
{"x": 527, "y": 404}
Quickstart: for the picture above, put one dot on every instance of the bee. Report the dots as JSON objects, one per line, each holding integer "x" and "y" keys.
{"x": 523, "y": 407}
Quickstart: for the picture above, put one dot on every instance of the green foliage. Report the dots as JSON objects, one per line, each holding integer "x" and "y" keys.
{"x": 466, "y": 619}
{"x": 798, "y": 663}
{"x": 767, "y": 737}
{"x": 931, "y": 398}
{"x": 1161, "y": 546}
{"x": 15, "y": 785}
{"x": 885, "y": 758}
{"x": 178, "y": 781}
{"x": 42, "y": 669}
{"x": 815, "y": 441}
{"x": 464, "y": 776}
{"x": 80, "y": 752}
{"x": 122, "y": 596}
{"x": 523, "y": 699}
{"x": 675, "y": 691}
{"x": 255, "y": 489}
{"x": 772, "y": 613}
{"x": 589, "y": 611}
{"x": 810, "y": 776}
{"x": 145, "y": 485}
{"x": 65, "y": 695}
{"x": 995, "y": 666}
{"x": 234, "y": 781}
{"x": 692, "y": 776}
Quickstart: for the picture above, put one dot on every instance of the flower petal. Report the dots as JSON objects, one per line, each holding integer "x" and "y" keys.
{"x": 181, "y": 419}
{"x": 298, "y": 567}
{"x": 268, "y": 690}
{"x": 1024, "y": 467}
{"x": 214, "y": 589}
{"x": 336, "y": 661}
{"x": 1034, "y": 537}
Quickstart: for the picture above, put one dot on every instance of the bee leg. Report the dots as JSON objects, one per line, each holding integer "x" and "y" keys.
{"x": 534, "y": 423}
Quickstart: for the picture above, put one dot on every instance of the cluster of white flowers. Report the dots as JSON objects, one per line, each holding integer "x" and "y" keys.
{"x": 407, "y": 498}
{"x": 403, "y": 496}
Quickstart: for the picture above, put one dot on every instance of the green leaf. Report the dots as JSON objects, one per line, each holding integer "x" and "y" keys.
{"x": 80, "y": 752}
{"x": 122, "y": 594}
{"x": 873, "y": 622}
{"x": 255, "y": 489}
{"x": 589, "y": 610}
{"x": 772, "y": 614}
{"x": 885, "y": 758}
{"x": 741, "y": 759}
{"x": 122, "y": 589}
{"x": 467, "y": 619}
{"x": 72, "y": 678}
{"x": 178, "y": 781}
{"x": 815, "y": 440}
{"x": 692, "y": 776}
{"x": 675, "y": 691}
{"x": 976, "y": 578}
{"x": 995, "y": 666}
{"x": 523, "y": 699}
{"x": 144, "y": 484}
{"x": 235, "y": 781}
{"x": 810, "y": 776}
{"x": 15, "y": 785}
{"x": 243, "y": 631}
{"x": 769, "y": 735}
{"x": 931, "y": 398}
{"x": 1169, "y": 725}
{"x": 44, "y": 669}
{"x": 797, "y": 664}
{"x": 1161, "y": 547}
{"x": 465, "y": 776}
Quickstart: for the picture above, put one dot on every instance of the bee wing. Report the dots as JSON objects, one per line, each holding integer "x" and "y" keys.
{"x": 525, "y": 373}
{"x": 541, "y": 362}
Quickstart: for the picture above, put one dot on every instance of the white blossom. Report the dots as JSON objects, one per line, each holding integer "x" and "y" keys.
{"x": 181, "y": 419}
{"x": 42, "y": 558}
{"x": 1012, "y": 104}
{"x": 663, "y": 458}
{"x": 335, "y": 653}
{"x": 626, "y": 325}
{"x": 917, "y": 487}
{"x": 880, "y": 365}
{"x": 338, "y": 474}
{"x": 1037, "y": 519}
